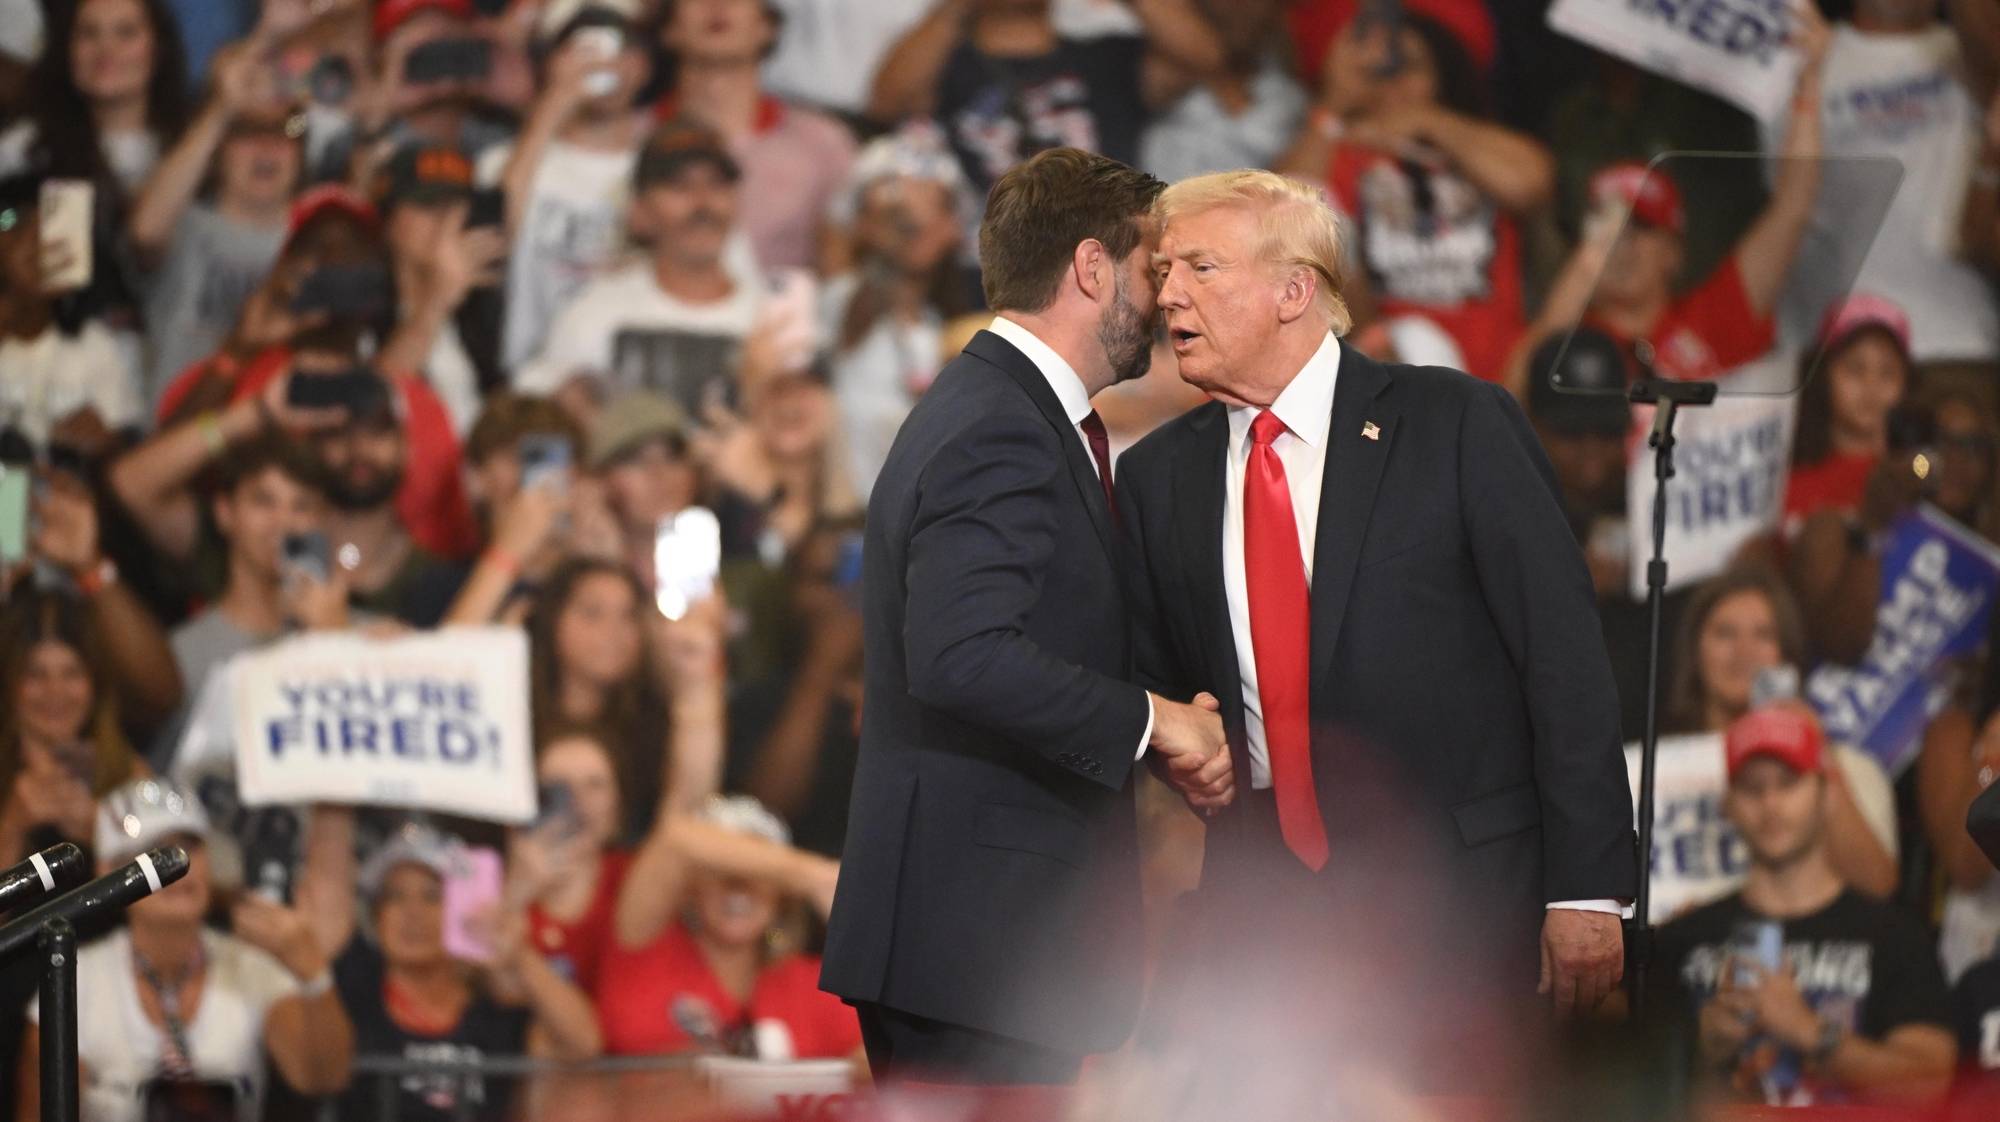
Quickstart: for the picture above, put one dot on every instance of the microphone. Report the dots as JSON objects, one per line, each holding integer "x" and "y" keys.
{"x": 112, "y": 892}
{"x": 41, "y": 875}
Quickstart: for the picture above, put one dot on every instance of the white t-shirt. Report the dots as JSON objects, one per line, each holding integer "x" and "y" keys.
{"x": 572, "y": 231}
{"x": 121, "y": 1050}
{"x": 584, "y": 336}
{"x": 872, "y": 379}
{"x": 51, "y": 376}
{"x": 1698, "y": 856}
{"x": 1902, "y": 96}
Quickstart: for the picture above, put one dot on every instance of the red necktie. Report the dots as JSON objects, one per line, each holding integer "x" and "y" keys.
{"x": 1100, "y": 450}
{"x": 1281, "y": 638}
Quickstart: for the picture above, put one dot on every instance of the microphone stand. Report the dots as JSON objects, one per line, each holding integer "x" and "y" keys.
{"x": 1667, "y": 398}
{"x": 57, "y": 945}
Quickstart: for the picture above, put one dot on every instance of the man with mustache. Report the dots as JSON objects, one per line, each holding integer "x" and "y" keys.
{"x": 1370, "y": 567}
{"x": 685, "y": 198}
{"x": 986, "y": 922}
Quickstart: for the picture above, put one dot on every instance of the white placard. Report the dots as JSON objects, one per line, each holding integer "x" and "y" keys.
{"x": 1731, "y": 462}
{"x": 1697, "y": 855}
{"x": 783, "y": 1089}
{"x": 432, "y": 721}
{"x": 1734, "y": 49}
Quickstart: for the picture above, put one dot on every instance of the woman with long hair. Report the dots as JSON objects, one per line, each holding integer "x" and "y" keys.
{"x": 602, "y": 657}
{"x": 61, "y": 746}
{"x": 1853, "y": 378}
{"x": 107, "y": 97}
{"x": 1735, "y": 627}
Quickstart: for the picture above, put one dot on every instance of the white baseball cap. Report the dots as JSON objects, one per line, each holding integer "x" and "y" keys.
{"x": 143, "y": 813}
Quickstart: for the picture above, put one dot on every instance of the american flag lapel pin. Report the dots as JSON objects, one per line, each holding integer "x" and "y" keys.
{"x": 1371, "y": 430}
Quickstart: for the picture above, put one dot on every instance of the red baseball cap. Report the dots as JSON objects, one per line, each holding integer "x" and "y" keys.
{"x": 392, "y": 14}
{"x": 325, "y": 198}
{"x": 1861, "y": 310}
{"x": 1649, "y": 192}
{"x": 1786, "y": 732}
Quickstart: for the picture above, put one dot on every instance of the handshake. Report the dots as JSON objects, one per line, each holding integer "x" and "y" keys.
{"x": 1190, "y": 752}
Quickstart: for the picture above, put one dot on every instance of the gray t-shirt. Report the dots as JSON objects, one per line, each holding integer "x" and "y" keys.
{"x": 200, "y": 645}
{"x": 194, "y": 298}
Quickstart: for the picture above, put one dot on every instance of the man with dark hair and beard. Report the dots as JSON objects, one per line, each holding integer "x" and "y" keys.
{"x": 986, "y": 926}
{"x": 360, "y": 463}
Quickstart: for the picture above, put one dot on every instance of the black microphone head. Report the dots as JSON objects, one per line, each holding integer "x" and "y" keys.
{"x": 169, "y": 863}
{"x": 66, "y": 864}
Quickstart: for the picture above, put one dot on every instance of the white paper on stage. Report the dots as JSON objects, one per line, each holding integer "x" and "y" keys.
{"x": 434, "y": 721}
{"x": 781, "y": 1089}
{"x": 1735, "y": 49}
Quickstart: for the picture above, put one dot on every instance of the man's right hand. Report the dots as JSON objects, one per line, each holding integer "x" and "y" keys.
{"x": 1192, "y": 751}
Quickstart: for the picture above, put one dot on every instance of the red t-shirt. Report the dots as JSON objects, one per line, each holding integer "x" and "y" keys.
{"x": 1436, "y": 247}
{"x": 432, "y": 502}
{"x": 1708, "y": 331}
{"x": 576, "y": 950}
{"x": 1837, "y": 482}
{"x": 645, "y": 996}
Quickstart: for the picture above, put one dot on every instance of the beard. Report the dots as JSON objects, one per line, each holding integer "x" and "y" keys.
{"x": 370, "y": 490}
{"x": 1126, "y": 334}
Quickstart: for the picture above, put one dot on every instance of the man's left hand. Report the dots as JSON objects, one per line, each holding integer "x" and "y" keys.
{"x": 1583, "y": 958}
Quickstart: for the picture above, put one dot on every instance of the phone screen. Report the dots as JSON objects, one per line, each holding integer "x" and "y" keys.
{"x": 687, "y": 554}
{"x": 64, "y": 213}
{"x": 472, "y": 888}
{"x": 308, "y": 554}
{"x": 16, "y": 486}
{"x": 545, "y": 459}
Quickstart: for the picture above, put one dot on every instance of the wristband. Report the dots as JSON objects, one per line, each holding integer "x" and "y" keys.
{"x": 97, "y": 578}
{"x": 212, "y": 436}
{"x": 502, "y": 558}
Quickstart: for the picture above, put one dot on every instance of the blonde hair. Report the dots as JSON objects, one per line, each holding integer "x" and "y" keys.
{"x": 1300, "y": 231}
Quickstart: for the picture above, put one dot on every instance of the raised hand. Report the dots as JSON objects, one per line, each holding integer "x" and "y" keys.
{"x": 283, "y": 933}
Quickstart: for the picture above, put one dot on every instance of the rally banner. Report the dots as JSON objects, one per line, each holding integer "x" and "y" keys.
{"x": 1730, "y": 466}
{"x": 1735, "y": 49}
{"x": 1938, "y": 583}
{"x": 1698, "y": 856}
{"x": 434, "y": 721}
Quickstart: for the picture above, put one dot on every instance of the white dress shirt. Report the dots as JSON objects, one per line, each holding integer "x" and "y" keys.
{"x": 1306, "y": 408}
{"x": 1075, "y": 400}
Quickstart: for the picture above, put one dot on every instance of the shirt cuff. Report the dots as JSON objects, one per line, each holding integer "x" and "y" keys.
{"x": 1608, "y": 907}
{"x": 1146, "y": 737}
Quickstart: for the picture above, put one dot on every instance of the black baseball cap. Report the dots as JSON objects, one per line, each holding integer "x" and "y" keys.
{"x": 1577, "y": 383}
{"x": 677, "y": 145}
{"x": 424, "y": 174}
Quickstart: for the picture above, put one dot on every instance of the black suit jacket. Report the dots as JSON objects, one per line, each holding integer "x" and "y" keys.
{"x": 1456, "y": 658}
{"x": 990, "y": 875}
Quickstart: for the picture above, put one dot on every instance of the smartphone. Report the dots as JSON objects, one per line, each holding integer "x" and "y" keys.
{"x": 687, "y": 554}
{"x": 65, "y": 213}
{"x": 605, "y": 43}
{"x": 1757, "y": 947}
{"x": 79, "y": 760}
{"x": 330, "y": 82}
{"x": 307, "y": 554}
{"x": 344, "y": 292}
{"x": 449, "y": 60}
{"x": 16, "y": 493}
{"x": 488, "y": 208}
{"x": 545, "y": 460}
{"x": 472, "y": 887}
{"x": 792, "y": 313}
{"x": 357, "y": 389}
{"x": 556, "y": 812}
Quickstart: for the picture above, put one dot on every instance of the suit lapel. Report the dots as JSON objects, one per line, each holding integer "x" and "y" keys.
{"x": 1197, "y": 541}
{"x": 1353, "y": 472}
{"x": 1017, "y": 366}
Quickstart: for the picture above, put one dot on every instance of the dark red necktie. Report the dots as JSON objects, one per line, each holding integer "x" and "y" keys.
{"x": 1274, "y": 574}
{"x": 1100, "y": 450}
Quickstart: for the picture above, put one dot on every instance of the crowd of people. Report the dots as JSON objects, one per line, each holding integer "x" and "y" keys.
{"x": 387, "y": 316}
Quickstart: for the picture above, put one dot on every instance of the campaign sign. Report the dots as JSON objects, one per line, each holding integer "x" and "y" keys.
{"x": 1698, "y": 856}
{"x": 1730, "y": 465}
{"x": 783, "y": 1090}
{"x": 1938, "y": 582}
{"x": 1734, "y": 49}
{"x": 434, "y": 721}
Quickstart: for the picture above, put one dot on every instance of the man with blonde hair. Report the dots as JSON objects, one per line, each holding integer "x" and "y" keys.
{"x": 1369, "y": 566}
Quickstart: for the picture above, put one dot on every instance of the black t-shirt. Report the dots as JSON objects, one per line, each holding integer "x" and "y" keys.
{"x": 1975, "y": 1006}
{"x": 487, "y": 1029}
{"x": 999, "y": 110}
{"x": 1866, "y": 964}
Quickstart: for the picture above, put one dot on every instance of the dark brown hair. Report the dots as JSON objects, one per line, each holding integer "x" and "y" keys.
{"x": 507, "y": 417}
{"x": 1043, "y": 208}
{"x": 50, "y": 617}
{"x": 1687, "y": 699}
{"x": 1812, "y": 436}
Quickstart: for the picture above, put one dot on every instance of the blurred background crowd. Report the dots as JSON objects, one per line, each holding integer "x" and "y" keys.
{"x": 596, "y": 318}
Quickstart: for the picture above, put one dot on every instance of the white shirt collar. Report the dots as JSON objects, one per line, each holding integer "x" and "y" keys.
{"x": 1060, "y": 375}
{"x": 1306, "y": 405}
